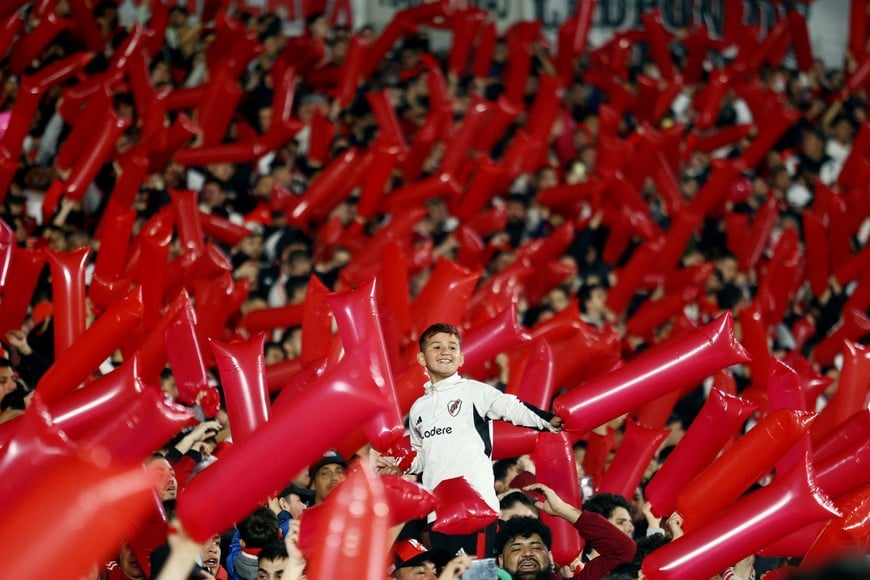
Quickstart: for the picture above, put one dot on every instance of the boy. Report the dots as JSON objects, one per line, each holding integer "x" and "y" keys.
{"x": 454, "y": 417}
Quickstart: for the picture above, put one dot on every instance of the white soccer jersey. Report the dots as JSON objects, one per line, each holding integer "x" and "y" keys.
{"x": 451, "y": 431}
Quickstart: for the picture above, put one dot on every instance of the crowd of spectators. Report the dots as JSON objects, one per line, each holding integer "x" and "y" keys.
{"x": 279, "y": 258}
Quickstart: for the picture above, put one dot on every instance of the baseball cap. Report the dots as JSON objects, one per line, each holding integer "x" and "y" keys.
{"x": 329, "y": 458}
{"x": 410, "y": 552}
{"x": 306, "y": 496}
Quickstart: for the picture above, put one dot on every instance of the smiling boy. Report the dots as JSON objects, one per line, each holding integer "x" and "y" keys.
{"x": 451, "y": 426}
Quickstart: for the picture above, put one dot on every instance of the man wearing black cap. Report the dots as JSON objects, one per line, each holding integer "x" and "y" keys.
{"x": 325, "y": 474}
{"x": 294, "y": 499}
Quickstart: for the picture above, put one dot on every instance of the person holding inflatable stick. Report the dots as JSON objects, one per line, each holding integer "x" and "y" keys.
{"x": 456, "y": 413}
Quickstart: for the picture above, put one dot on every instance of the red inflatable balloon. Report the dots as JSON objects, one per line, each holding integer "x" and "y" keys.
{"x": 791, "y": 502}
{"x": 7, "y": 247}
{"x": 185, "y": 355}
{"x": 851, "y": 394}
{"x": 270, "y": 318}
{"x": 152, "y": 350}
{"x": 25, "y": 269}
{"x": 855, "y": 428}
{"x": 719, "y": 419}
{"x": 102, "y": 507}
{"x": 447, "y": 279}
{"x": 357, "y": 316}
{"x": 745, "y": 463}
{"x": 97, "y": 344}
{"x": 78, "y": 411}
{"x": 846, "y": 471}
{"x": 216, "y": 498}
{"x": 408, "y": 500}
{"x": 68, "y": 296}
{"x": 510, "y": 440}
{"x": 638, "y": 446}
{"x": 187, "y": 220}
{"x": 460, "y": 510}
{"x": 242, "y": 371}
{"x": 34, "y": 445}
{"x": 555, "y": 467}
{"x": 149, "y": 422}
{"x": 297, "y": 383}
{"x": 355, "y": 535}
{"x": 784, "y": 392}
{"x": 846, "y": 537}
{"x": 535, "y": 384}
{"x": 794, "y": 545}
{"x": 316, "y": 322}
{"x": 854, "y": 325}
{"x": 482, "y": 342}
{"x": 676, "y": 365}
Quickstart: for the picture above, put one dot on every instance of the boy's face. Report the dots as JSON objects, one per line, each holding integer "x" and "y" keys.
{"x": 442, "y": 356}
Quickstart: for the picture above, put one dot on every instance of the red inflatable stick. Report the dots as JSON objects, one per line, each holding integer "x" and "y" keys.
{"x": 855, "y": 428}
{"x": 511, "y": 440}
{"x": 854, "y": 325}
{"x": 104, "y": 506}
{"x": 851, "y": 393}
{"x": 534, "y": 377}
{"x": 68, "y": 296}
{"x": 481, "y": 64}
{"x": 638, "y": 446}
{"x": 34, "y": 445}
{"x": 408, "y": 500}
{"x": 846, "y": 471}
{"x": 185, "y": 355}
{"x": 754, "y": 338}
{"x": 780, "y": 120}
{"x": 7, "y": 249}
{"x": 676, "y": 365}
{"x": 187, "y": 220}
{"x": 555, "y": 467}
{"x": 463, "y": 138}
{"x": 357, "y": 316}
{"x": 216, "y": 498}
{"x": 242, "y": 371}
{"x": 817, "y": 253}
{"x": 658, "y": 38}
{"x": 351, "y": 69}
{"x": 784, "y": 392}
{"x": 391, "y": 134}
{"x": 794, "y": 545}
{"x": 844, "y": 538}
{"x": 501, "y": 334}
{"x": 296, "y": 384}
{"x": 719, "y": 419}
{"x": 107, "y": 134}
{"x": 355, "y": 535}
{"x": 78, "y": 411}
{"x": 316, "y": 322}
{"x": 149, "y": 422}
{"x": 326, "y": 191}
{"x": 447, "y": 279}
{"x": 791, "y": 502}
{"x": 800, "y": 39}
{"x": 461, "y": 510}
{"x": 25, "y": 269}
{"x": 97, "y": 343}
{"x": 746, "y": 462}
{"x": 265, "y": 319}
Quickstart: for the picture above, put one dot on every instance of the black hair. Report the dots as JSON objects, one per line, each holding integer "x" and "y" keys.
{"x": 605, "y": 503}
{"x": 522, "y": 527}
{"x": 515, "y": 497}
{"x": 273, "y": 551}
{"x": 501, "y": 467}
{"x": 437, "y": 328}
{"x": 260, "y": 528}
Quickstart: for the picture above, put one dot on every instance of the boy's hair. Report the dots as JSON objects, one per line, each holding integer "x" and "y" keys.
{"x": 515, "y": 497}
{"x": 522, "y": 527}
{"x": 605, "y": 503}
{"x": 259, "y": 529}
{"x": 437, "y": 328}
{"x": 275, "y": 550}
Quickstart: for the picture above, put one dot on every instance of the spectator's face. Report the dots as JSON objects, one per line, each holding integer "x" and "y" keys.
{"x": 129, "y": 564}
{"x": 294, "y": 505}
{"x": 7, "y": 381}
{"x": 442, "y": 356}
{"x": 622, "y": 519}
{"x": 166, "y": 484}
{"x": 525, "y": 558}
{"x": 326, "y": 478}
{"x": 271, "y": 569}
{"x": 425, "y": 571}
{"x": 517, "y": 510}
{"x": 211, "y": 553}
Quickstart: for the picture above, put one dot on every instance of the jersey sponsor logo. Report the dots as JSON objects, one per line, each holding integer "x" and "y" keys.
{"x": 453, "y": 407}
{"x": 419, "y": 420}
{"x": 435, "y": 431}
